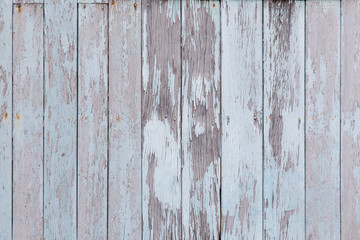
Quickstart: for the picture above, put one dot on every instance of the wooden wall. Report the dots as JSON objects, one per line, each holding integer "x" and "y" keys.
{"x": 179, "y": 119}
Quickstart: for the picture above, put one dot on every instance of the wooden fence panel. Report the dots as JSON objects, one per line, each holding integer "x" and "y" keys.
{"x": 125, "y": 120}
{"x": 161, "y": 165}
{"x": 322, "y": 119}
{"x": 284, "y": 119}
{"x": 350, "y": 114}
{"x": 93, "y": 122}
{"x": 241, "y": 78}
{"x": 60, "y": 119}
{"x": 201, "y": 121}
{"x": 28, "y": 121}
{"x": 5, "y": 118}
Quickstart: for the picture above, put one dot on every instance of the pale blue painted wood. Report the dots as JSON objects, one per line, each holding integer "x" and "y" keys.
{"x": 350, "y": 116}
{"x": 241, "y": 78}
{"x": 201, "y": 119}
{"x": 160, "y": 119}
{"x": 125, "y": 120}
{"x": 92, "y": 121}
{"x": 5, "y": 118}
{"x": 28, "y": 121}
{"x": 284, "y": 196}
{"x": 323, "y": 119}
{"x": 60, "y": 120}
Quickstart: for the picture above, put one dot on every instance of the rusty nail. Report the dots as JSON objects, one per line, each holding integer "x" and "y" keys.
{"x": 19, "y": 7}
{"x": 255, "y": 117}
{"x": 118, "y": 118}
{"x": 6, "y": 115}
{"x": 112, "y": 2}
{"x": 214, "y": 5}
{"x": 135, "y": 5}
{"x": 18, "y": 116}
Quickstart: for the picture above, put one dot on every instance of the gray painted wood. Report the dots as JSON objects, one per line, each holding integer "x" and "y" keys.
{"x": 241, "y": 100}
{"x": 28, "y": 121}
{"x": 60, "y": 119}
{"x": 350, "y": 114}
{"x": 161, "y": 165}
{"x": 323, "y": 120}
{"x": 284, "y": 119}
{"x": 93, "y": 122}
{"x": 5, "y": 118}
{"x": 125, "y": 120}
{"x": 201, "y": 127}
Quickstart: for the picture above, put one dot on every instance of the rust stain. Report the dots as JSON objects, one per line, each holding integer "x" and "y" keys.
{"x": 6, "y": 115}
{"x": 19, "y": 7}
{"x": 118, "y": 118}
{"x": 214, "y": 5}
{"x": 18, "y": 116}
{"x": 113, "y": 2}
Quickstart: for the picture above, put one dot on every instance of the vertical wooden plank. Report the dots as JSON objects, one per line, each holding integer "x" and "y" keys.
{"x": 125, "y": 120}
{"x": 92, "y": 129}
{"x": 284, "y": 119}
{"x": 60, "y": 119}
{"x": 201, "y": 134}
{"x": 5, "y": 118}
{"x": 28, "y": 121}
{"x": 241, "y": 78}
{"x": 350, "y": 114}
{"x": 322, "y": 119}
{"x": 161, "y": 85}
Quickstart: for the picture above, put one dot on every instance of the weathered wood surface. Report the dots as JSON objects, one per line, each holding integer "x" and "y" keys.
{"x": 60, "y": 119}
{"x": 28, "y": 121}
{"x": 161, "y": 165}
{"x": 5, "y": 118}
{"x": 179, "y": 119}
{"x": 350, "y": 115}
{"x": 284, "y": 119}
{"x": 241, "y": 78}
{"x": 93, "y": 122}
{"x": 125, "y": 120}
{"x": 323, "y": 120}
{"x": 201, "y": 123}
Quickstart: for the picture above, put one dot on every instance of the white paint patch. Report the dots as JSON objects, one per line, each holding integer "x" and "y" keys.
{"x": 160, "y": 141}
{"x": 199, "y": 129}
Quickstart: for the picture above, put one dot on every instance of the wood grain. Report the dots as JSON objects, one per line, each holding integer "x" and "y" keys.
{"x": 28, "y": 121}
{"x": 93, "y": 122}
{"x": 201, "y": 132}
{"x": 5, "y": 118}
{"x": 350, "y": 114}
{"x": 125, "y": 120}
{"x": 241, "y": 78}
{"x": 161, "y": 163}
{"x": 60, "y": 120}
{"x": 322, "y": 120}
{"x": 284, "y": 119}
